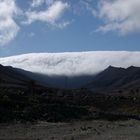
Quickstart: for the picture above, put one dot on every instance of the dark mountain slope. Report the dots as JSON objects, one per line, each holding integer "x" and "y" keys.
{"x": 10, "y": 73}
{"x": 40, "y": 103}
{"x": 18, "y": 76}
{"x": 10, "y": 76}
{"x": 110, "y": 78}
{"x": 114, "y": 77}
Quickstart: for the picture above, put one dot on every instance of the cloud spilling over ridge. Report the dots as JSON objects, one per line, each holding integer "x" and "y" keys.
{"x": 72, "y": 63}
{"x": 119, "y": 15}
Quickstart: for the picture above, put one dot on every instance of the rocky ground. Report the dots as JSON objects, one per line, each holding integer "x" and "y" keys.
{"x": 80, "y": 130}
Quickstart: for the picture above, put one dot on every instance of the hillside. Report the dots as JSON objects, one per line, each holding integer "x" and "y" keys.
{"x": 114, "y": 77}
{"x": 70, "y": 69}
{"x": 11, "y": 77}
{"x": 23, "y": 99}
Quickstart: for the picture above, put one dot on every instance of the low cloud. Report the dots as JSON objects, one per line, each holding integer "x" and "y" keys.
{"x": 8, "y": 26}
{"x": 119, "y": 15}
{"x": 72, "y": 63}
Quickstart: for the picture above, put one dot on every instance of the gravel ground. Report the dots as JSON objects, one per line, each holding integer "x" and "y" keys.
{"x": 80, "y": 130}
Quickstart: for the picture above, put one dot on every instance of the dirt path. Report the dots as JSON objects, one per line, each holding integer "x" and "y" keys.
{"x": 87, "y": 130}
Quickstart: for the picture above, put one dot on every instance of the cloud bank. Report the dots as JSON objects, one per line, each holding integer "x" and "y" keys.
{"x": 72, "y": 64}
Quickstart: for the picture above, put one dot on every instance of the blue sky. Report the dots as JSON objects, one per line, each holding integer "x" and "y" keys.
{"x": 68, "y": 25}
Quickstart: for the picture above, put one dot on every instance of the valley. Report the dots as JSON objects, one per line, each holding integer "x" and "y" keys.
{"x": 25, "y": 101}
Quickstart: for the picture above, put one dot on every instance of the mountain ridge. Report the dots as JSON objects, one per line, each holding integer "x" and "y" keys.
{"x": 115, "y": 77}
{"x": 110, "y": 78}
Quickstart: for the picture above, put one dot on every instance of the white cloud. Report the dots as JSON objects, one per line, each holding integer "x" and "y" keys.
{"x": 72, "y": 63}
{"x": 51, "y": 15}
{"x": 8, "y": 26}
{"x": 122, "y": 16}
{"x": 36, "y": 3}
{"x": 62, "y": 24}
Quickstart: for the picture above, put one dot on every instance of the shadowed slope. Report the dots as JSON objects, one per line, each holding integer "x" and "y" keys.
{"x": 114, "y": 77}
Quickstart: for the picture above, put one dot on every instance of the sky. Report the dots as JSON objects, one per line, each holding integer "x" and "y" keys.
{"x": 28, "y": 26}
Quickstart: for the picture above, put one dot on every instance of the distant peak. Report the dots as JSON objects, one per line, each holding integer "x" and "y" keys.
{"x": 112, "y": 67}
{"x": 132, "y": 67}
{"x": 120, "y": 68}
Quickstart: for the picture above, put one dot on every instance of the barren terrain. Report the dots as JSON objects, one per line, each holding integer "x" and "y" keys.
{"x": 86, "y": 130}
